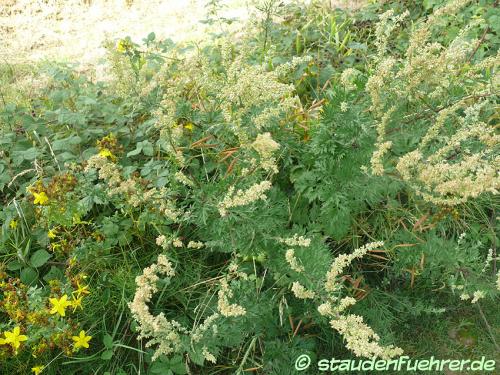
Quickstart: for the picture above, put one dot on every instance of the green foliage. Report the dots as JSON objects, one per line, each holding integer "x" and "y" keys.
{"x": 100, "y": 178}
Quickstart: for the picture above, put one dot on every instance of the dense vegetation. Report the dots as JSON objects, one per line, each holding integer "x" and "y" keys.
{"x": 325, "y": 184}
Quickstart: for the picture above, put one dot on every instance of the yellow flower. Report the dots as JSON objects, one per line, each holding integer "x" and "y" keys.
{"x": 55, "y": 246}
{"x": 123, "y": 46}
{"x": 14, "y": 338}
{"x": 37, "y": 369}
{"x": 105, "y": 153}
{"x": 59, "y": 305}
{"x": 52, "y": 233}
{"x": 77, "y": 220}
{"x": 13, "y": 224}
{"x": 81, "y": 341}
{"x": 82, "y": 289}
{"x": 77, "y": 302}
{"x": 189, "y": 126}
{"x": 40, "y": 198}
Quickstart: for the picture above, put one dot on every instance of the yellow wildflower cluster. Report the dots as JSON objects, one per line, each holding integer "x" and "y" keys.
{"x": 37, "y": 370}
{"x": 59, "y": 305}
{"x": 41, "y": 198}
{"x": 123, "y": 45}
{"x": 17, "y": 303}
{"x": 81, "y": 341}
{"x": 13, "y": 338}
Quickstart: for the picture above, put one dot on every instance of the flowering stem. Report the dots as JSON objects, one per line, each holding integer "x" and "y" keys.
{"x": 247, "y": 353}
{"x": 488, "y": 327}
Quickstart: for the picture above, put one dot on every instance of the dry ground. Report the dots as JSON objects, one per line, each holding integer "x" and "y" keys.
{"x": 74, "y": 30}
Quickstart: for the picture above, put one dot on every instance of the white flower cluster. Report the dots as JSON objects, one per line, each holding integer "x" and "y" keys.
{"x": 198, "y": 332}
{"x": 225, "y": 308}
{"x": 347, "y": 78}
{"x": 183, "y": 179}
{"x": 130, "y": 189}
{"x": 243, "y": 197}
{"x": 326, "y": 309}
{"x": 195, "y": 245}
{"x": 161, "y": 241}
{"x": 107, "y": 171}
{"x": 301, "y": 292}
{"x": 168, "y": 335}
{"x": 489, "y": 259}
{"x": 293, "y": 261}
{"x": 207, "y": 355}
{"x": 290, "y": 66}
{"x": 157, "y": 329}
{"x": 386, "y": 25}
{"x": 296, "y": 240}
{"x": 345, "y": 303}
{"x": 266, "y": 146}
{"x": 344, "y": 260}
{"x": 110, "y": 172}
{"x": 478, "y": 294}
{"x": 361, "y": 339}
{"x": 444, "y": 182}
{"x": 234, "y": 272}
{"x": 248, "y": 87}
{"x": 464, "y": 296}
{"x": 443, "y": 168}
{"x": 376, "y": 160}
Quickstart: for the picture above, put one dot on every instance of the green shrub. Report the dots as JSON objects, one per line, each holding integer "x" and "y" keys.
{"x": 228, "y": 208}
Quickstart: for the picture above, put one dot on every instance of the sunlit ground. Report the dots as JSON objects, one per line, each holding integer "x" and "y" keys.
{"x": 74, "y": 30}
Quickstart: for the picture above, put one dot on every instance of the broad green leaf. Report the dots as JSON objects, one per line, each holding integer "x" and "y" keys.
{"x": 39, "y": 258}
{"x": 28, "y": 275}
{"x": 107, "y": 341}
{"x": 107, "y": 355}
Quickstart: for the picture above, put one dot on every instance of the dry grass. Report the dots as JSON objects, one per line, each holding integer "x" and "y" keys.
{"x": 75, "y": 30}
